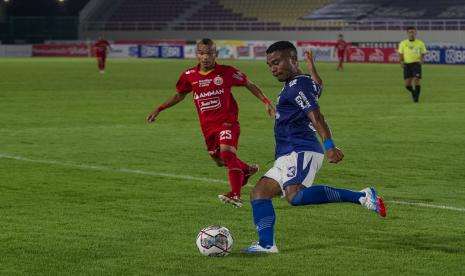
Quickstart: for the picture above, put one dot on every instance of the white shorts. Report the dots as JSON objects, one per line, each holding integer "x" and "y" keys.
{"x": 296, "y": 168}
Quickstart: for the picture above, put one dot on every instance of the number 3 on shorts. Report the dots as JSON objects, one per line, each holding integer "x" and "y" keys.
{"x": 225, "y": 135}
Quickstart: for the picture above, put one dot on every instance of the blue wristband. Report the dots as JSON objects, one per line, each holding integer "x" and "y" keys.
{"x": 328, "y": 144}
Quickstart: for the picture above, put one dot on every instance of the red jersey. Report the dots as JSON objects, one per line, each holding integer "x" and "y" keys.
{"x": 341, "y": 45}
{"x": 212, "y": 94}
{"x": 100, "y": 47}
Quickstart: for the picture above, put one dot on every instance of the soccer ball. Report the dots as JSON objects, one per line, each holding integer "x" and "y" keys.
{"x": 214, "y": 241}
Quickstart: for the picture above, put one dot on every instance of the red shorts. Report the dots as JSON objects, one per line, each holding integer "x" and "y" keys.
{"x": 340, "y": 54}
{"x": 226, "y": 134}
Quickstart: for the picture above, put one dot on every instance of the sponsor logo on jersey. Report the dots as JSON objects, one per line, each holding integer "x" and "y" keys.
{"x": 205, "y": 82}
{"x": 376, "y": 56}
{"x": 208, "y": 94}
{"x": 238, "y": 75}
{"x": 310, "y": 125}
{"x": 218, "y": 80}
{"x": 209, "y": 104}
{"x": 292, "y": 82}
{"x": 302, "y": 100}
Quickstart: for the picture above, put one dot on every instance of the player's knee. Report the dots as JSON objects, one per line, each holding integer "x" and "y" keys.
{"x": 258, "y": 192}
{"x": 295, "y": 199}
{"x": 219, "y": 162}
{"x": 294, "y": 195}
{"x": 265, "y": 189}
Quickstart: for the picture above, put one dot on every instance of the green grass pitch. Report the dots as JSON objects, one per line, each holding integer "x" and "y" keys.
{"x": 88, "y": 188}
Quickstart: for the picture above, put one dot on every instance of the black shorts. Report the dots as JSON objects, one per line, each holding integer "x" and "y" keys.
{"x": 412, "y": 70}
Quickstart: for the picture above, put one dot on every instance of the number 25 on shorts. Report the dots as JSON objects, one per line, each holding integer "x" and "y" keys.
{"x": 225, "y": 135}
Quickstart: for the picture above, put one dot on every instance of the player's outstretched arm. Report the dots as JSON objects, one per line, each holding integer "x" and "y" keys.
{"x": 178, "y": 97}
{"x": 308, "y": 56}
{"x": 333, "y": 154}
{"x": 254, "y": 89}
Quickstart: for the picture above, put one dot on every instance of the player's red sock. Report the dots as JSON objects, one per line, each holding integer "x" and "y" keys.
{"x": 244, "y": 166}
{"x": 236, "y": 176}
{"x": 101, "y": 64}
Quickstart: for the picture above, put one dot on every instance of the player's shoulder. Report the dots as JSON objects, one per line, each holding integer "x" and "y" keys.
{"x": 226, "y": 68}
{"x": 403, "y": 42}
{"x": 230, "y": 71}
{"x": 420, "y": 41}
{"x": 300, "y": 82}
{"x": 190, "y": 71}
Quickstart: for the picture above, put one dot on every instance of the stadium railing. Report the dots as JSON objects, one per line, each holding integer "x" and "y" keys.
{"x": 303, "y": 25}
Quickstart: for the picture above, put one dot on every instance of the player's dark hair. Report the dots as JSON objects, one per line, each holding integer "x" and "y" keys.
{"x": 207, "y": 41}
{"x": 411, "y": 28}
{"x": 282, "y": 46}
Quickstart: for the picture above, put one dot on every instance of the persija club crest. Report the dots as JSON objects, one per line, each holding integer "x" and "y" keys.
{"x": 218, "y": 80}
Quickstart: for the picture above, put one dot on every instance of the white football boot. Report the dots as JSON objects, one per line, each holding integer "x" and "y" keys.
{"x": 372, "y": 201}
{"x": 257, "y": 248}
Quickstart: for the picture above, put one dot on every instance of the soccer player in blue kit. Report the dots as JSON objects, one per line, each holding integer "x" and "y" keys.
{"x": 299, "y": 154}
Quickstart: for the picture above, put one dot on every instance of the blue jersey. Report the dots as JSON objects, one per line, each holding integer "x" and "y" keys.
{"x": 293, "y": 130}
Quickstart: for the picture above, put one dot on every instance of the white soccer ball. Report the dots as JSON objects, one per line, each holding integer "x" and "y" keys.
{"x": 214, "y": 241}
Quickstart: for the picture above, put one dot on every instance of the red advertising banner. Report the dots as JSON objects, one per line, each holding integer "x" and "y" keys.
{"x": 152, "y": 41}
{"x": 375, "y": 55}
{"x": 47, "y": 50}
{"x": 315, "y": 44}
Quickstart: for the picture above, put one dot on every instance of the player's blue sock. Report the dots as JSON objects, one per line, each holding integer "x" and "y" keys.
{"x": 325, "y": 194}
{"x": 264, "y": 219}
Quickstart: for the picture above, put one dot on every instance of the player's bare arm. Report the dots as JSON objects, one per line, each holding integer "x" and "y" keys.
{"x": 422, "y": 58}
{"x": 309, "y": 59}
{"x": 254, "y": 89}
{"x": 173, "y": 100}
{"x": 333, "y": 154}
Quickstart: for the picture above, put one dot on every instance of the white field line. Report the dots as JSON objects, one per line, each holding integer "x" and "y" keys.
{"x": 419, "y": 204}
{"x": 102, "y": 168}
{"x": 186, "y": 177}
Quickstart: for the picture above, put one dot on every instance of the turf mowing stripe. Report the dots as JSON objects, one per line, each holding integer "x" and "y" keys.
{"x": 188, "y": 177}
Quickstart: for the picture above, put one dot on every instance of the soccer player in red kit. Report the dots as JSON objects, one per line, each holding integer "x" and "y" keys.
{"x": 341, "y": 48}
{"x": 101, "y": 50}
{"x": 211, "y": 84}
